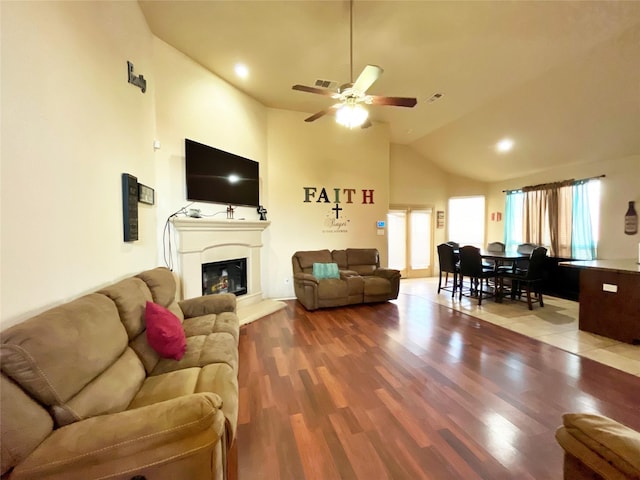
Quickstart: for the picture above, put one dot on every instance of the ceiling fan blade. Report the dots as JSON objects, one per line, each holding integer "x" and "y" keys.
{"x": 329, "y": 111}
{"x": 369, "y": 75}
{"x": 319, "y": 91}
{"x": 366, "y": 124}
{"x": 394, "y": 101}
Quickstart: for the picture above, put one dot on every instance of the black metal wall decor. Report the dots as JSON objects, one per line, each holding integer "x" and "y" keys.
{"x": 137, "y": 80}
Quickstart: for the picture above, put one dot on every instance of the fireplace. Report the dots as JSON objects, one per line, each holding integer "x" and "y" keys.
{"x": 202, "y": 241}
{"x": 227, "y": 276}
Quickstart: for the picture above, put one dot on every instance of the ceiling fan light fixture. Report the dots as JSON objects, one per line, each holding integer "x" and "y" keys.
{"x": 351, "y": 115}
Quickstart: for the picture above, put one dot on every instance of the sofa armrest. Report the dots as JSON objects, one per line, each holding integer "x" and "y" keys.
{"x": 348, "y": 273}
{"x": 305, "y": 278}
{"x": 198, "y": 306}
{"x": 129, "y": 441}
{"x": 601, "y": 444}
{"x": 388, "y": 273}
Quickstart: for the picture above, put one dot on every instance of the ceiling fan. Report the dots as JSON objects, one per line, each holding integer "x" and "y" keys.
{"x": 349, "y": 110}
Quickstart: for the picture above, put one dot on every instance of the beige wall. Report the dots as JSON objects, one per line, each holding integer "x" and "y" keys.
{"x": 71, "y": 125}
{"x": 321, "y": 155}
{"x": 621, "y": 185}
{"x": 415, "y": 180}
{"x": 193, "y": 103}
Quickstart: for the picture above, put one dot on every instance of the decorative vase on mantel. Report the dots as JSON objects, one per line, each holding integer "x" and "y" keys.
{"x": 631, "y": 220}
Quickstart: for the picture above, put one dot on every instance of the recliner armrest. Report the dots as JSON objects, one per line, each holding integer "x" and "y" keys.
{"x": 198, "y": 306}
{"x": 305, "y": 278}
{"x": 348, "y": 273}
{"x": 387, "y": 273}
{"x": 601, "y": 444}
{"x": 128, "y": 441}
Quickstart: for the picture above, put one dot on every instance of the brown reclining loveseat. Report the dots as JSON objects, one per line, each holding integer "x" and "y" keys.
{"x": 358, "y": 278}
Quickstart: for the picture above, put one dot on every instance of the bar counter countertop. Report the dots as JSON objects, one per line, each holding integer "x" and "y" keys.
{"x": 626, "y": 265}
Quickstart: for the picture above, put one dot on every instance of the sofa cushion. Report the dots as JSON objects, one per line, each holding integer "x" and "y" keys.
{"x": 159, "y": 388}
{"x": 46, "y": 358}
{"x": 333, "y": 288}
{"x": 365, "y": 261}
{"x": 376, "y": 286}
{"x": 25, "y": 424}
{"x": 111, "y": 392}
{"x": 306, "y": 259}
{"x": 325, "y": 270}
{"x": 147, "y": 355}
{"x": 225, "y": 322}
{"x": 161, "y": 284}
{"x": 217, "y": 377}
{"x": 130, "y": 296}
{"x": 203, "y": 350}
{"x": 340, "y": 257}
{"x": 164, "y": 332}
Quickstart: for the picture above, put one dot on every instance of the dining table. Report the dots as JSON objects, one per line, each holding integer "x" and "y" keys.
{"x": 502, "y": 259}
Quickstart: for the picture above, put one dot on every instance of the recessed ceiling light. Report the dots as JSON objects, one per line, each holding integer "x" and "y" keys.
{"x": 241, "y": 70}
{"x": 504, "y": 145}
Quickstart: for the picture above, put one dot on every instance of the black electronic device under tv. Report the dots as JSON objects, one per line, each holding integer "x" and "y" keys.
{"x": 217, "y": 176}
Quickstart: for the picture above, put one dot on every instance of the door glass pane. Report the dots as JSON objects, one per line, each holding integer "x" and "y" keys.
{"x": 420, "y": 239}
{"x": 397, "y": 228}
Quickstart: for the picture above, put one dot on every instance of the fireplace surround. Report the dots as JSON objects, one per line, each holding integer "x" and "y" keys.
{"x": 201, "y": 241}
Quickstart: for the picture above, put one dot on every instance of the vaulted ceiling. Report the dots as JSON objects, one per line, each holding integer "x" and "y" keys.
{"x": 560, "y": 78}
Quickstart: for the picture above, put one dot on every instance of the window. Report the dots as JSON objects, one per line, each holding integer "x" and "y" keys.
{"x": 563, "y": 216}
{"x": 466, "y": 220}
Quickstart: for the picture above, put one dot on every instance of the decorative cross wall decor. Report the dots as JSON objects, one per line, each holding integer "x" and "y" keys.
{"x": 336, "y": 222}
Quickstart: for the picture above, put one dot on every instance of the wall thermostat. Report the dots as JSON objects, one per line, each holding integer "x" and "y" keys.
{"x": 381, "y": 224}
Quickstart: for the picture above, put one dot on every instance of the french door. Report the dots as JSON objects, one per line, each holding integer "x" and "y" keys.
{"x": 410, "y": 234}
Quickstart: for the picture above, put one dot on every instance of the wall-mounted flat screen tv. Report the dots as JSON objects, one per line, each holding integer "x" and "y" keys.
{"x": 217, "y": 176}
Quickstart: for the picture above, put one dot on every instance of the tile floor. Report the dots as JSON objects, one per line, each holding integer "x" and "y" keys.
{"x": 556, "y": 323}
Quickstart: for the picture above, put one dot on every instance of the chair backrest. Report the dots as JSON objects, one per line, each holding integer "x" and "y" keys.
{"x": 455, "y": 245}
{"x": 470, "y": 261}
{"x": 526, "y": 248}
{"x": 447, "y": 258}
{"x": 536, "y": 263}
{"x": 495, "y": 247}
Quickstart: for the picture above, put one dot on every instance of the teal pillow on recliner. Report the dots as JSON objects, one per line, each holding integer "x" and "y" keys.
{"x": 325, "y": 270}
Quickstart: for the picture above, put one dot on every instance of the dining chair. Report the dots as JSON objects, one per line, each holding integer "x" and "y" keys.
{"x": 448, "y": 264}
{"x": 524, "y": 249}
{"x": 493, "y": 247}
{"x": 471, "y": 266}
{"x": 530, "y": 279}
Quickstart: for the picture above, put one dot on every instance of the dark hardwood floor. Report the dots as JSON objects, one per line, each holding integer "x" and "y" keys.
{"x": 410, "y": 390}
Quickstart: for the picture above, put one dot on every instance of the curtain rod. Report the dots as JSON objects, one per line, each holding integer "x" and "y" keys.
{"x": 563, "y": 181}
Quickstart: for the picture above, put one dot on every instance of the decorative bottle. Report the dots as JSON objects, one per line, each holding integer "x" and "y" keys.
{"x": 631, "y": 220}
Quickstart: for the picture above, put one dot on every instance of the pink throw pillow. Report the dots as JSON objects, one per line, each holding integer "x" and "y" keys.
{"x": 164, "y": 332}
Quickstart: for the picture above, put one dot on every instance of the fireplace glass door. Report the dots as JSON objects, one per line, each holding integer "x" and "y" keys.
{"x": 228, "y": 276}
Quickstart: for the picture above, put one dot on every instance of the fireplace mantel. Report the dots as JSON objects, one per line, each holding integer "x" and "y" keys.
{"x": 195, "y": 224}
{"x": 202, "y": 240}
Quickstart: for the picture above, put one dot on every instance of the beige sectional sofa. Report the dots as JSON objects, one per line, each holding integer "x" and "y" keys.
{"x": 85, "y": 396}
{"x": 360, "y": 279}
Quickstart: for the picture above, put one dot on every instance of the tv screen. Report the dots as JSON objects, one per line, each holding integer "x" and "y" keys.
{"x": 217, "y": 176}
